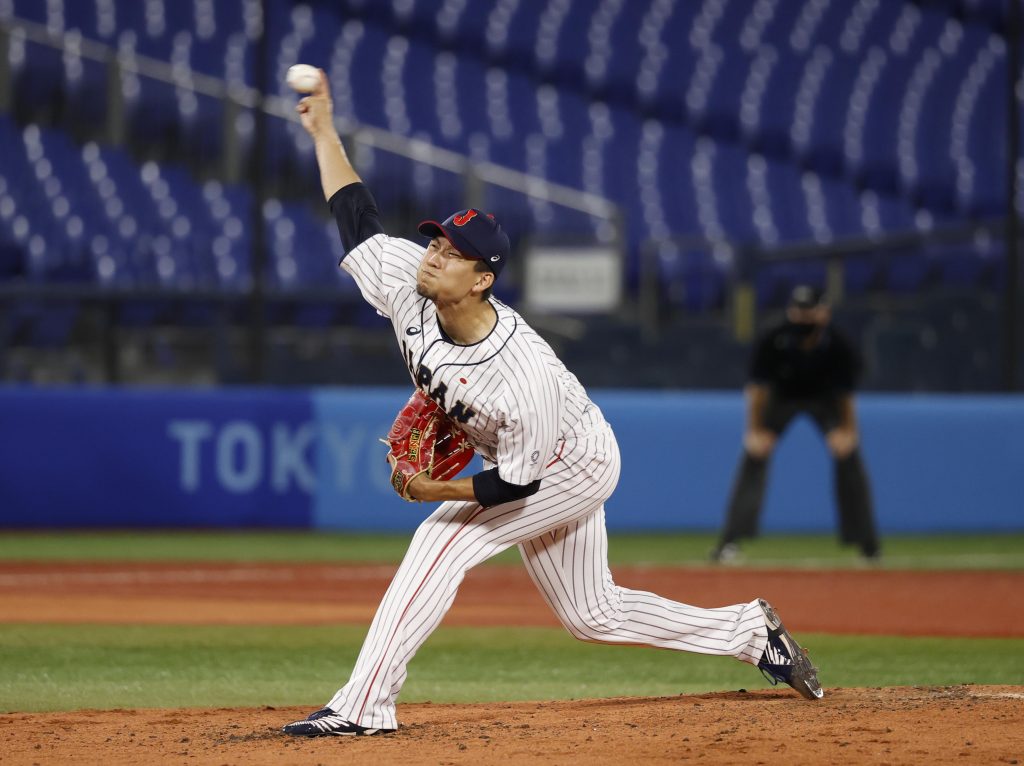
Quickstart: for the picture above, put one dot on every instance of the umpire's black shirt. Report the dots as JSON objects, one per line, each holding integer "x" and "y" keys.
{"x": 780, "y": 362}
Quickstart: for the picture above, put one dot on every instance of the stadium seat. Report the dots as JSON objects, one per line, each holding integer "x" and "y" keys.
{"x": 753, "y": 122}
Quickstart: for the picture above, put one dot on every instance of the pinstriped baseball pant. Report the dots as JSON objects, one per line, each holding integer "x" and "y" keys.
{"x": 561, "y": 535}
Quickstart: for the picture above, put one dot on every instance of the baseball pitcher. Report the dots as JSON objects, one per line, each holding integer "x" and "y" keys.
{"x": 550, "y": 460}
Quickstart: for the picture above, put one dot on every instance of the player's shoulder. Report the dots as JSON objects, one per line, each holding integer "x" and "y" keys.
{"x": 839, "y": 335}
{"x": 842, "y": 343}
{"x": 516, "y": 330}
{"x": 400, "y": 245}
{"x": 525, "y": 349}
{"x": 382, "y": 243}
{"x": 769, "y": 336}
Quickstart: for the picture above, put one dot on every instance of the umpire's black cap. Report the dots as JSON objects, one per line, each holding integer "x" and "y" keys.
{"x": 475, "y": 234}
{"x": 806, "y": 297}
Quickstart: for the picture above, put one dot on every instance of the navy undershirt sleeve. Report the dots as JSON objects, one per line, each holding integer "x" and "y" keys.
{"x": 490, "y": 489}
{"x": 356, "y": 214}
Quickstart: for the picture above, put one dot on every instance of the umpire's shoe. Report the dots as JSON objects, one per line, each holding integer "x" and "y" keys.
{"x": 784, "y": 660}
{"x": 325, "y": 721}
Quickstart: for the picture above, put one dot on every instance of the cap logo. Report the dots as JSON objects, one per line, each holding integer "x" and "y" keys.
{"x": 462, "y": 220}
{"x": 495, "y": 258}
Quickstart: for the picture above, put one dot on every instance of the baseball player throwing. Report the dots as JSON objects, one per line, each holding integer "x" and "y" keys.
{"x": 550, "y": 458}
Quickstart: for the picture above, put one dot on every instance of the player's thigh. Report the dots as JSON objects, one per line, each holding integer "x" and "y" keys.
{"x": 575, "y": 487}
{"x": 464, "y": 534}
{"x": 825, "y": 412}
{"x": 578, "y": 549}
{"x": 779, "y": 413}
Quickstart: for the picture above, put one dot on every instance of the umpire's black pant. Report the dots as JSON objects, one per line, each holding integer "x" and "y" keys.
{"x": 853, "y": 494}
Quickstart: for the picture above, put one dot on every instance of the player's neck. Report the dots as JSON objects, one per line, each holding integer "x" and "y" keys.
{"x": 468, "y": 321}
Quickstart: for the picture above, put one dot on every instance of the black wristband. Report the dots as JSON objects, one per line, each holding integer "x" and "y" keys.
{"x": 490, "y": 489}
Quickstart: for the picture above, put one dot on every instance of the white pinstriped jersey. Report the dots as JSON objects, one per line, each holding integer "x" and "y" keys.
{"x": 522, "y": 410}
{"x": 513, "y": 397}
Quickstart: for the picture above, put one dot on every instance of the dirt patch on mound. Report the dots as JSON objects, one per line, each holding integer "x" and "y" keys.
{"x": 963, "y": 724}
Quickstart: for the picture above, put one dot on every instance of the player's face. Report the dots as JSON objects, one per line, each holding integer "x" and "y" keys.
{"x": 819, "y": 315}
{"x": 446, "y": 276}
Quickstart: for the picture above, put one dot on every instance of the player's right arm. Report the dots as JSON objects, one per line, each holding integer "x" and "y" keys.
{"x": 316, "y": 111}
{"x": 378, "y": 263}
{"x": 350, "y": 201}
{"x": 758, "y": 440}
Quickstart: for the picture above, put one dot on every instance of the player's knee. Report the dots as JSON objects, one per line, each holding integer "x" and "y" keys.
{"x": 590, "y": 625}
{"x": 760, "y": 453}
{"x": 845, "y": 453}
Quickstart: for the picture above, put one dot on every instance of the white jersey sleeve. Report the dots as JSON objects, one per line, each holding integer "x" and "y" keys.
{"x": 380, "y": 264}
{"x": 528, "y": 438}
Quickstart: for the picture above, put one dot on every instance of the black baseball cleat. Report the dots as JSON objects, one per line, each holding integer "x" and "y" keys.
{"x": 326, "y": 722}
{"x": 785, "y": 660}
{"x": 726, "y": 553}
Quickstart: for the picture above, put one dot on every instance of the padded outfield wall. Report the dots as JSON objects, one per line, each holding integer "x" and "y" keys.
{"x": 311, "y": 459}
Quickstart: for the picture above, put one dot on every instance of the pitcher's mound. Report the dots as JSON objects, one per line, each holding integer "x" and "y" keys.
{"x": 965, "y": 724}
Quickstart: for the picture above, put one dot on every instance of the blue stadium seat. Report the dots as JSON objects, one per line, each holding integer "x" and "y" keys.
{"x": 666, "y": 65}
{"x": 691, "y": 279}
{"x": 779, "y": 105}
{"x": 466, "y": 112}
{"x": 790, "y": 198}
{"x": 675, "y": 187}
{"x": 38, "y": 75}
{"x": 31, "y": 10}
{"x": 562, "y": 42}
{"x": 84, "y": 18}
{"x": 754, "y": 122}
{"x": 516, "y": 119}
{"x": 304, "y": 250}
{"x": 824, "y": 149}
{"x": 615, "y": 56}
{"x": 978, "y": 157}
{"x": 367, "y": 94}
{"x": 518, "y": 44}
{"x": 933, "y": 140}
{"x": 733, "y": 199}
{"x": 720, "y": 115}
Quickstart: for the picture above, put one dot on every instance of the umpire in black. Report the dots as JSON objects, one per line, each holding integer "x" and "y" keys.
{"x": 803, "y": 365}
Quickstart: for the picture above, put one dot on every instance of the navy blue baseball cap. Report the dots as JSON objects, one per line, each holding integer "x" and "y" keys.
{"x": 474, "y": 234}
{"x": 806, "y": 297}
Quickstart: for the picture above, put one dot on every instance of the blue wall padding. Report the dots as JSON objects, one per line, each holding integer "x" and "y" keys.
{"x": 311, "y": 458}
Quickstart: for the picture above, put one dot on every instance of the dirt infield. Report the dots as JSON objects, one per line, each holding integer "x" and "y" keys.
{"x": 962, "y": 724}
{"x": 878, "y": 602}
{"x": 858, "y": 726}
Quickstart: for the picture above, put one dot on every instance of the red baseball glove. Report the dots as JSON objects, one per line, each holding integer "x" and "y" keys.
{"x": 423, "y": 439}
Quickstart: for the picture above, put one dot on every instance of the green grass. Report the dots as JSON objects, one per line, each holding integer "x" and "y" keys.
{"x": 59, "y": 667}
{"x": 49, "y": 667}
{"x": 803, "y": 551}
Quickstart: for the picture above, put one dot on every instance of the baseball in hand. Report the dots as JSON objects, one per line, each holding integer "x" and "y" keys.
{"x": 303, "y": 78}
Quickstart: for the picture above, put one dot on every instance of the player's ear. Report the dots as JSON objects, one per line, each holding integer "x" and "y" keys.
{"x": 484, "y": 280}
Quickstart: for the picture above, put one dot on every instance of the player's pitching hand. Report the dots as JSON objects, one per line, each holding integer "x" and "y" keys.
{"x": 316, "y": 111}
{"x": 841, "y": 441}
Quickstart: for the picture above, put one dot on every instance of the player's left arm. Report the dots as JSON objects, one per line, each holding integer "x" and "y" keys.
{"x": 844, "y": 439}
{"x": 432, "y": 491}
{"x": 526, "y": 441}
{"x": 529, "y": 435}
{"x": 486, "y": 488}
